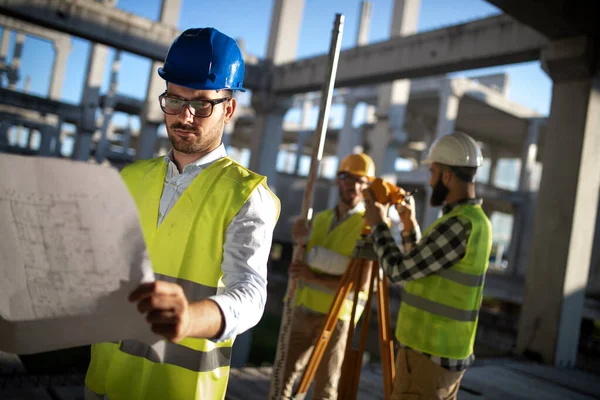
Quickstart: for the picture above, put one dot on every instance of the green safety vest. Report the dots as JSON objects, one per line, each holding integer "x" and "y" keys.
{"x": 342, "y": 239}
{"x": 439, "y": 313}
{"x": 187, "y": 249}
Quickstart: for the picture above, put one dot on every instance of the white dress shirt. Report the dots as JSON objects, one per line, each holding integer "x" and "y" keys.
{"x": 245, "y": 250}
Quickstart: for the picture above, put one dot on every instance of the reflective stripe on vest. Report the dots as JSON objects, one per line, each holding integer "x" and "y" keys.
{"x": 439, "y": 309}
{"x": 462, "y": 278}
{"x": 183, "y": 251}
{"x": 193, "y": 291}
{"x": 181, "y": 356}
{"x": 438, "y": 314}
{"x": 342, "y": 239}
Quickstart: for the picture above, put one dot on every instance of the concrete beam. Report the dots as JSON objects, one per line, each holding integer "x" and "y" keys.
{"x": 67, "y": 112}
{"x": 106, "y": 25}
{"x": 557, "y": 19}
{"x": 19, "y": 25}
{"x": 483, "y": 43}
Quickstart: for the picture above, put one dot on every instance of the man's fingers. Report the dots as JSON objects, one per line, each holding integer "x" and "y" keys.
{"x": 163, "y": 317}
{"x": 142, "y": 291}
{"x": 159, "y": 302}
{"x": 156, "y": 287}
{"x": 168, "y": 331}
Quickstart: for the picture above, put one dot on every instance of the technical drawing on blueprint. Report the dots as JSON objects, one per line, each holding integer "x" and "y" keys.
{"x": 71, "y": 251}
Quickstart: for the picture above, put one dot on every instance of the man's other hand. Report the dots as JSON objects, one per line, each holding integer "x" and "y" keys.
{"x": 299, "y": 230}
{"x": 406, "y": 211}
{"x": 301, "y": 270}
{"x": 166, "y": 308}
{"x": 375, "y": 212}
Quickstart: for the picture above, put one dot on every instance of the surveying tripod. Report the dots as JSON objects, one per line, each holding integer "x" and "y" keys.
{"x": 363, "y": 260}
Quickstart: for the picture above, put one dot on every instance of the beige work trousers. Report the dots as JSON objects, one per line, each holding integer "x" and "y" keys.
{"x": 419, "y": 378}
{"x": 305, "y": 331}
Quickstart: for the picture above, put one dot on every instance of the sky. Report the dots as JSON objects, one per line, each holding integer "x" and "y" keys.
{"x": 250, "y": 20}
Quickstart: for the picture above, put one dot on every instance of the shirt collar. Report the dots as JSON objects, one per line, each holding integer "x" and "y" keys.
{"x": 202, "y": 162}
{"x": 450, "y": 207}
{"x": 360, "y": 207}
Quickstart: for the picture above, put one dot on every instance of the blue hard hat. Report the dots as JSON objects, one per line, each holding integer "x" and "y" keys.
{"x": 204, "y": 59}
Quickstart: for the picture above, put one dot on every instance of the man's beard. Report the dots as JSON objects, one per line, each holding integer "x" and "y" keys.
{"x": 439, "y": 194}
{"x": 196, "y": 142}
{"x": 348, "y": 201}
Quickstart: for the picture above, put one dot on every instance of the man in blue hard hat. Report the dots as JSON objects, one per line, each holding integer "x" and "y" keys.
{"x": 208, "y": 224}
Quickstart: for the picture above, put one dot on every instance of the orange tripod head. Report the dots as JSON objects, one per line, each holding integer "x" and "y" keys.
{"x": 385, "y": 192}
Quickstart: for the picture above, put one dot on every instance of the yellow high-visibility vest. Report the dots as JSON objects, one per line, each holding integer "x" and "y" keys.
{"x": 342, "y": 239}
{"x": 439, "y": 313}
{"x": 187, "y": 248}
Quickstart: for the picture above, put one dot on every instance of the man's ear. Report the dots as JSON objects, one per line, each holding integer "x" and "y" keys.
{"x": 230, "y": 110}
{"x": 447, "y": 176}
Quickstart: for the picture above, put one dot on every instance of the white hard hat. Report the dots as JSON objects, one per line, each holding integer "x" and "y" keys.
{"x": 456, "y": 149}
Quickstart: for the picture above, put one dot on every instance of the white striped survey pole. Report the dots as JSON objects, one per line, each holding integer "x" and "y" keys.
{"x": 277, "y": 378}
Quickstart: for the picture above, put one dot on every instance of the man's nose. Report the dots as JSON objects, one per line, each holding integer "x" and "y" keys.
{"x": 186, "y": 115}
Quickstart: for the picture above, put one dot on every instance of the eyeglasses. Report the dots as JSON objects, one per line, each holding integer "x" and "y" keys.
{"x": 198, "y": 108}
{"x": 353, "y": 179}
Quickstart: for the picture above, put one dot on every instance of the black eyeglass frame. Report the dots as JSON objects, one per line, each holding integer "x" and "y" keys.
{"x": 186, "y": 103}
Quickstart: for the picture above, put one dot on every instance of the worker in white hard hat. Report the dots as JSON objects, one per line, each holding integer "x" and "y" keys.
{"x": 442, "y": 270}
{"x": 208, "y": 224}
{"x": 332, "y": 238}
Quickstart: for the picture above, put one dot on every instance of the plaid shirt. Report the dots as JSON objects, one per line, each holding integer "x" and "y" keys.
{"x": 444, "y": 246}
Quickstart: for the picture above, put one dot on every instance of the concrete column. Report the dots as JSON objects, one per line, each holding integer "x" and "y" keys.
{"x": 520, "y": 242}
{"x": 27, "y": 84}
{"x": 362, "y": 33}
{"x": 370, "y": 114}
{"x": 265, "y": 145}
{"x": 349, "y": 137}
{"x": 493, "y": 168}
{"x": 566, "y": 209}
{"x": 529, "y": 155}
{"x": 48, "y": 135}
{"x": 107, "y": 112}
{"x": 30, "y": 133}
{"x": 152, "y": 115}
{"x": 58, "y": 139}
{"x": 20, "y": 138}
{"x": 450, "y": 94}
{"x": 62, "y": 48}
{"x": 90, "y": 101}
{"x": 4, "y": 44}
{"x": 126, "y": 136}
{"x": 15, "y": 62}
{"x": 300, "y": 144}
{"x": 4, "y": 127}
{"x": 389, "y": 133}
{"x": 286, "y": 20}
{"x": 348, "y": 140}
{"x": 307, "y": 105}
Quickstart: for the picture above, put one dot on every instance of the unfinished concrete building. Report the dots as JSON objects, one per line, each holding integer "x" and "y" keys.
{"x": 549, "y": 265}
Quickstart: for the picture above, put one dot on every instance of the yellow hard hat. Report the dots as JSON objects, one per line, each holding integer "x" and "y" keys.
{"x": 358, "y": 164}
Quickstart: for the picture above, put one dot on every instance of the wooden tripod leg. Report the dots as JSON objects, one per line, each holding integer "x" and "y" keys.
{"x": 353, "y": 357}
{"x": 344, "y": 289}
{"x": 386, "y": 343}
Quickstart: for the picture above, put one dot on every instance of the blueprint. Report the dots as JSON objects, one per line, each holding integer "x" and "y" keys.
{"x": 71, "y": 250}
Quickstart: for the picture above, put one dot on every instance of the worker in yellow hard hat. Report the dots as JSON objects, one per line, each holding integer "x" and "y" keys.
{"x": 443, "y": 273}
{"x": 333, "y": 235}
